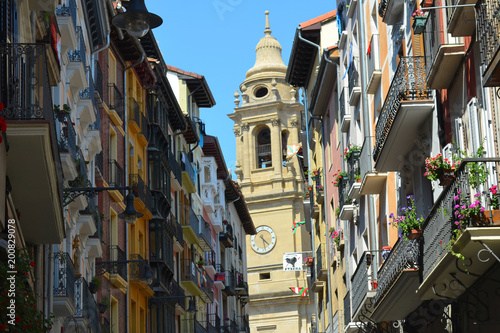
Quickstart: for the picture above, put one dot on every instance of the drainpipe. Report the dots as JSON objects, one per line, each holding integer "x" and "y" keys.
{"x": 368, "y": 130}
{"x": 313, "y": 234}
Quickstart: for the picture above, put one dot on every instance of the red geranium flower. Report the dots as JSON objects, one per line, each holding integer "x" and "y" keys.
{"x": 1, "y": 106}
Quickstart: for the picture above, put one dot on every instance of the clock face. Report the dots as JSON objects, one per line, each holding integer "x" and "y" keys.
{"x": 264, "y": 240}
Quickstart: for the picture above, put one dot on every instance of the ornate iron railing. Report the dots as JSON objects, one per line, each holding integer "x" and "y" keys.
{"x": 488, "y": 29}
{"x": 264, "y": 150}
{"x": 98, "y": 81}
{"x": 161, "y": 243}
{"x": 343, "y": 185}
{"x": 207, "y": 284}
{"x": 360, "y": 280}
{"x": 138, "y": 266}
{"x": 189, "y": 271}
{"x": 79, "y": 54}
{"x": 99, "y": 162}
{"x": 179, "y": 234}
{"x": 69, "y": 9}
{"x": 115, "y": 100}
{"x": 404, "y": 255}
{"x": 382, "y": 7}
{"x": 205, "y": 235}
{"x": 439, "y": 226}
{"x": 105, "y": 326}
{"x": 67, "y": 137}
{"x": 230, "y": 282}
{"x": 320, "y": 251}
{"x": 86, "y": 305}
{"x": 64, "y": 275}
{"x": 116, "y": 254}
{"x": 409, "y": 83}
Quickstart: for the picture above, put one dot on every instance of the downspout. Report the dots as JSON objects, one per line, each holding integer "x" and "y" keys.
{"x": 313, "y": 234}
{"x": 367, "y": 130}
{"x": 125, "y": 123}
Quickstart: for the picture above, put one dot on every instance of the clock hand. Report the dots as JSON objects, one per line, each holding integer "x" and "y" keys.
{"x": 262, "y": 237}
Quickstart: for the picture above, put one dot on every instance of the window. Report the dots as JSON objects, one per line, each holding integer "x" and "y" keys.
{"x": 264, "y": 157}
{"x": 261, "y": 92}
{"x": 264, "y": 276}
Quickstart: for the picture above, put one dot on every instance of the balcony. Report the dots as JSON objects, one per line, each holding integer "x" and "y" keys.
{"x": 444, "y": 275}
{"x": 349, "y": 326}
{"x": 345, "y": 114}
{"x": 391, "y": 11}
{"x": 141, "y": 191}
{"x": 98, "y": 83}
{"x": 66, "y": 16}
{"x": 443, "y": 53}
{"x": 226, "y": 237}
{"x": 207, "y": 285}
{"x": 190, "y": 277}
{"x": 374, "y": 68}
{"x": 117, "y": 271}
{"x": 161, "y": 252}
{"x": 362, "y": 288}
{"x": 488, "y": 30}
{"x": 397, "y": 279}
{"x": 159, "y": 183}
{"x": 33, "y": 158}
{"x": 75, "y": 69}
{"x": 86, "y": 315}
{"x": 461, "y": 20}
{"x": 208, "y": 183}
{"x": 116, "y": 178}
{"x": 137, "y": 121}
{"x": 243, "y": 324}
{"x": 372, "y": 182}
{"x": 179, "y": 233}
{"x": 188, "y": 173}
{"x": 321, "y": 266}
{"x": 193, "y": 326}
{"x": 64, "y": 285}
{"x": 345, "y": 204}
{"x": 190, "y": 225}
{"x": 354, "y": 86}
{"x": 407, "y": 106}
{"x": 86, "y": 103}
{"x": 230, "y": 283}
{"x": 176, "y": 171}
{"x": 241, "y": 288}
{"x": 205, "y": 235}
{"x": 67, "y": 146}
{"x": 354, "y": 183}
{"x": 115, "y": 104}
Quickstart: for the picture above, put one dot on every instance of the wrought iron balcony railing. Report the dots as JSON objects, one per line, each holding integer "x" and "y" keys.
{"x": 178, "y": 291}
{"x": 138, "y": 266}
{"x": 488, "y": 31}
{"x": 353, "y": 75}
{"x": 64, "y": 275}
{"x": 342, "y": 103}
{"x": 361, "y": 280}
{"x": 404, "y": 255}
{"x": 69, "y": 9}
{"x": 189, "y": 271}
{"x": 86, "y": 305}
{"x": 207, "y": 284}
{"x": 140, "y": 189}
{"x": 439, "y": 227}
{"x": 230, "y": 283}
{"x": 105, "y": 325}
{"x": 79, "y": 54}
{"x": 179, "y": 234}
{"x": 175, "y": 167}
{"x": 160, "y": 243}
{"x": 67, "y": 136}
{"x": 354, "y": 167}
{"x": 408, "y": 83}
{"x": 116, "y": 258}
{"x": 99, "y": 164}
{"x": 116, "y": 175}
{"x": 343, "y": 185}
{"x": 320, "y": 253}
{"x": 366, "y": 157}
{"x": 115, "y": 100}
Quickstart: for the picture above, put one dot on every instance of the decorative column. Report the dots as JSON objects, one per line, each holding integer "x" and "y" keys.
{"x": 276, "y": 147}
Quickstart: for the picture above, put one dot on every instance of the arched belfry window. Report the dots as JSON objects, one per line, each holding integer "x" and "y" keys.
{"x": 284, "y": 143}
{"x": 264, "y": 158}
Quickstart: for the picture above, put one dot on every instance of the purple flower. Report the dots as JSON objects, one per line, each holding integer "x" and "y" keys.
{"x": 476, "y": 195}
{"x": 391, "y": 216}
{"x": 457, "y": 206}
{"x": 464, "y": 207}
{"x": 456, "y": 198}
{"x": 456, "y": 222}
{"x": 482, "y": 209}
{"x": 459, "y": 192}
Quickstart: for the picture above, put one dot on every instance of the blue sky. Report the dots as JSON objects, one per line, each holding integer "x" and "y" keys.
{"x": 217, "y": 39}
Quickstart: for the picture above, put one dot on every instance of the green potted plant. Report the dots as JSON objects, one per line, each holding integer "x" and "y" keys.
{"x": 440, "y": 168}
{"x": 94, "y": 284}
{"x": 350, "y": 150}
{"x": 103, "y": 304}
{"x": 338, "y": 177}
{"x": 61, "y": 113}
{"x": 419, "y": 20}
{"x": 408, "y": 223}
{"x": 200, "y": 263}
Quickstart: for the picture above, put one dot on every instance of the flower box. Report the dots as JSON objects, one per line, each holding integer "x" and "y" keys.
{"x": 419, "y": 24}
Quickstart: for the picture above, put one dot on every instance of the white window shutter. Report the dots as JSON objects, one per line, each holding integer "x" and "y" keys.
{"x": 475, "y": 139}
{"x": 459, "y": 134}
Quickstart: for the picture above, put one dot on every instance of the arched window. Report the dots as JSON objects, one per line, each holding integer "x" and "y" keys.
{"x": 284, "y": 143}
{"x": 264, "y": 158}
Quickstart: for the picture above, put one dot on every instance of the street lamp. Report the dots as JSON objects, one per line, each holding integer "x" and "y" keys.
{"x": 137, "y": 20}
{"x": 130, "y": 215}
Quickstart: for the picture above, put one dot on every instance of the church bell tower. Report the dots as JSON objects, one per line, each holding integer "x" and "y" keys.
{"x": 267, "y": 125}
